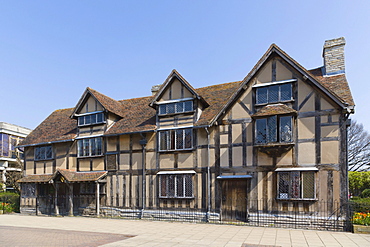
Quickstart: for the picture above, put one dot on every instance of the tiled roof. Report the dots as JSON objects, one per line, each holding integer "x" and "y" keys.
{"x": 337, "y": 84}
{"x": 216, "y": 96}
{"x": 44, "y": 178}
{"x": 108, "y": 103}
{"x": 58, "y": 126}
{"x": 276, "y": 109}
{"x": 69, "y": 175}
{"x": 138, "y": 116}
{"x": 73, "y": 176}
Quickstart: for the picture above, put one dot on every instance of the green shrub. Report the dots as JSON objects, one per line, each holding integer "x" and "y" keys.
{"x": 9, "y": 202}
{"x": 365, "y": 193}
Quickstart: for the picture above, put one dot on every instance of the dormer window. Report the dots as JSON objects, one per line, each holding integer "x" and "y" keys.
{"x": 91, "y": 119}
{"x": 274, "y": 92}
{"x": 175, "y": 107}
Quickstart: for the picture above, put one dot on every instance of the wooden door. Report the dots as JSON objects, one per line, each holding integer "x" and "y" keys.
{"x": 234, "y": 200}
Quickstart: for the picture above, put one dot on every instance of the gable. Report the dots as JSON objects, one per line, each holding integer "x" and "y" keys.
{"x": 90, "y": 104}
{"x": 175, "y": 90}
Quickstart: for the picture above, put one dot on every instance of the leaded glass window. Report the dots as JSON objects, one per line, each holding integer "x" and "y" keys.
{"x": 43, "y": 153}
{"x": 90, "y": 147}
{"x": 178, "y": 139}
{"x": 274, "y": 93}
{"x": 274, "y": 129}
{"x": 178, "y": 107}
{"x": 96, "y": 118}
{"x": 296, "y": 185}
{"x": 176, "y": 186}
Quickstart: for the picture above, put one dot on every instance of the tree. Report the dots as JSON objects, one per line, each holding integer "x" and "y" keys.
{"x": 358, "y": 182}
{"x": 358, "y": 148}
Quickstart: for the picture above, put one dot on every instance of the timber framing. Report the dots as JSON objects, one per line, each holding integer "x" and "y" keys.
{"x": 201, "y": 148}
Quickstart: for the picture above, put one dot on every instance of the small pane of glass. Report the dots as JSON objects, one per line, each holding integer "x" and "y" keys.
{"x": 286, "y": 129}
{"x": 308, "y": 184}
{"x": 180, "y": 186}
{"x": 179, "y": 107}
{"x": 273, "y": 94}
{"x": 171, "y": 108}
{"x": 179, "y": 139}
{"x": 48, "y": 152}
{"x": 188, "y": 138}
{"x": 261, "y": 95}
{"x": 87, "y": 119}
{"x": 271, "y": 126}
{"x": 283, "y": 185}
{"x": 295, "y": 187}
{"x": 286, "y": 92}
{"x": 261, "y": 135}
{"x": 162, "y": 109}
{"x": 188, "y": 106}
{"x": 100, "y": 118}
{"x": 163, "y": 140}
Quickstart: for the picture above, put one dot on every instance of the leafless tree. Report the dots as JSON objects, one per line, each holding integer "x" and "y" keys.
{"x": 358, "y": 148}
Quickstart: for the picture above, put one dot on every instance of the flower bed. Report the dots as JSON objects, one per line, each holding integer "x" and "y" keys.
{"x": 361, "y": 219}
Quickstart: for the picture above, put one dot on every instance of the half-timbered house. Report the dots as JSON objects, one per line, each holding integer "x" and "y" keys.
{"x": 274, "y": 141}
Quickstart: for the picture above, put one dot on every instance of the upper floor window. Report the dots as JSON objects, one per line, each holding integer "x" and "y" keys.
{"x": 90, "y": 119}
{"x": 274, "y": 129}
{"x": 177, "y": 139}
{"x": 176, "y": 107}
{"x": 274, "y": 93}
{"x": 296, "y": 185}
{"x": 43, "y": 153}
{"x": 90, "y": 147}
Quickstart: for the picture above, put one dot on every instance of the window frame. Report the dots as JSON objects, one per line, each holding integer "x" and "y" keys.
{"x": 277, "y": 131}
{"x": 170, "y": 138}
{"x": 268, "y": 93}
{"x": 44, "y": 153}
{"x": 89, "y": 147}
{"x": 97, "y": 120}
{"x": 173, "y": 191}
{"x": 292, "y": 185}
{"x": 164, "y": 108}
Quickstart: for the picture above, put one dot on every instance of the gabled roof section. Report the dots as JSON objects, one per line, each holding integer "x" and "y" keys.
{"x": 107, "y": 103}
{"x": 326, "y": 85}
{"x": 57, "y": 127}
{"x": 174, "y": 74}
{"x": 43, "y": 178}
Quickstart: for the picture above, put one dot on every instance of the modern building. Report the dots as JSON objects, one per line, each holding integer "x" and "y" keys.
{"x": 274, "y": 141}
{"x": 10, "y": 158}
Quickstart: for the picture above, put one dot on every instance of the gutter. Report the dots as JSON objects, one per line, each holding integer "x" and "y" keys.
{"x": 44, "y": 143}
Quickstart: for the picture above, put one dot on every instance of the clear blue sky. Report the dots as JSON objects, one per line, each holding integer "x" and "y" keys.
{"x": 50, "y": 51}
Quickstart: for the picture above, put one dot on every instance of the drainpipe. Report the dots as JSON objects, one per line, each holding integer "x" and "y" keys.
{"x": 208, "y": 177}
{"x": 143, "y": 143}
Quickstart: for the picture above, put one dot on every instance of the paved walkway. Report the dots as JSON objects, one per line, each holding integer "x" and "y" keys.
{"x": 25, "y": 230}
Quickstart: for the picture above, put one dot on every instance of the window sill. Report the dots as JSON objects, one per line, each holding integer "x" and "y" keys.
{"x": 176, "y": 198}
{"x": 298, "y": 199}
{"x": 95, "y": 156}
{"x": 272, "y": 103}
{"x": 45, "y": 159}
{"x": 176, "y": 150}
{"x": 176, "y": 113}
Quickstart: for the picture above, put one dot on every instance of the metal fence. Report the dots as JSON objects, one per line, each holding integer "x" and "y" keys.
{"x": 319, "y": 215}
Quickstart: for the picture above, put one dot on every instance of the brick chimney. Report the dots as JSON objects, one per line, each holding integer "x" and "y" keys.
{"x": 333, "y": 55}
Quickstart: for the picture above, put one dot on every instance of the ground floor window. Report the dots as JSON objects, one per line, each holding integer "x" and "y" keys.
{"x": 296, "y": 185}
{"x": 176, "y": 186}
{"x": 28, "y": 190}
